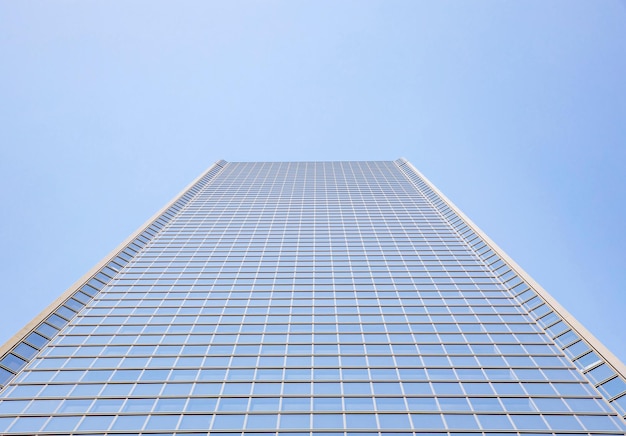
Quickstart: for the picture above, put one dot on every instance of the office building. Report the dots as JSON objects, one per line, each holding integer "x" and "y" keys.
{"x": 326, "y": 298}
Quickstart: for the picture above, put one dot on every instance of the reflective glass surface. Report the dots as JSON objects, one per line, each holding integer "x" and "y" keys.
{"x": 294, "y": 298}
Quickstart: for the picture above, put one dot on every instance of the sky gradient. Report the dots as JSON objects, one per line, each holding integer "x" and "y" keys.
{"x": 515, "y": 110}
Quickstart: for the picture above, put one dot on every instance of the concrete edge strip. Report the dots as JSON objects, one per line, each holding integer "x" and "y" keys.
{"x": 19, "y": 349}
{"x": 583, "y": 334}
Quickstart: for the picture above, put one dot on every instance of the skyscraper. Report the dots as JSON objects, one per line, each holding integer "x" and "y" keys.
{"x": 335, "y": 298}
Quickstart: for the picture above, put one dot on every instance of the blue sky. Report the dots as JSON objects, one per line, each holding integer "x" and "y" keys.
{"x": 515, "y": 110}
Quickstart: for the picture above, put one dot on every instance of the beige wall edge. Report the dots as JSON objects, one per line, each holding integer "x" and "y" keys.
{"x": 604, "y": 352}
{"x": 21, "y": 334}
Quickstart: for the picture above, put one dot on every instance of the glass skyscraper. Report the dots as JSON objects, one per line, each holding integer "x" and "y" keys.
{"x": 308, "y": 298}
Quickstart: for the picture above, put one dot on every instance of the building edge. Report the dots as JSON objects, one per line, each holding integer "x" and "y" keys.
{"x": 585, "y": 335}
{"x": 19, "y": 337}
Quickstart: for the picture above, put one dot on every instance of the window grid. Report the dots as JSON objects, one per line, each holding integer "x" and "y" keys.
{"x": 309, "y": 298}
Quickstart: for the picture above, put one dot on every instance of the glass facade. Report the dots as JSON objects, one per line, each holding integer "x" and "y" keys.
{"x": 334, "y": 298}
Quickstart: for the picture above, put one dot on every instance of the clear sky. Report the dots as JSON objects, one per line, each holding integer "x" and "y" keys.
{"x": 516, "y": 110}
